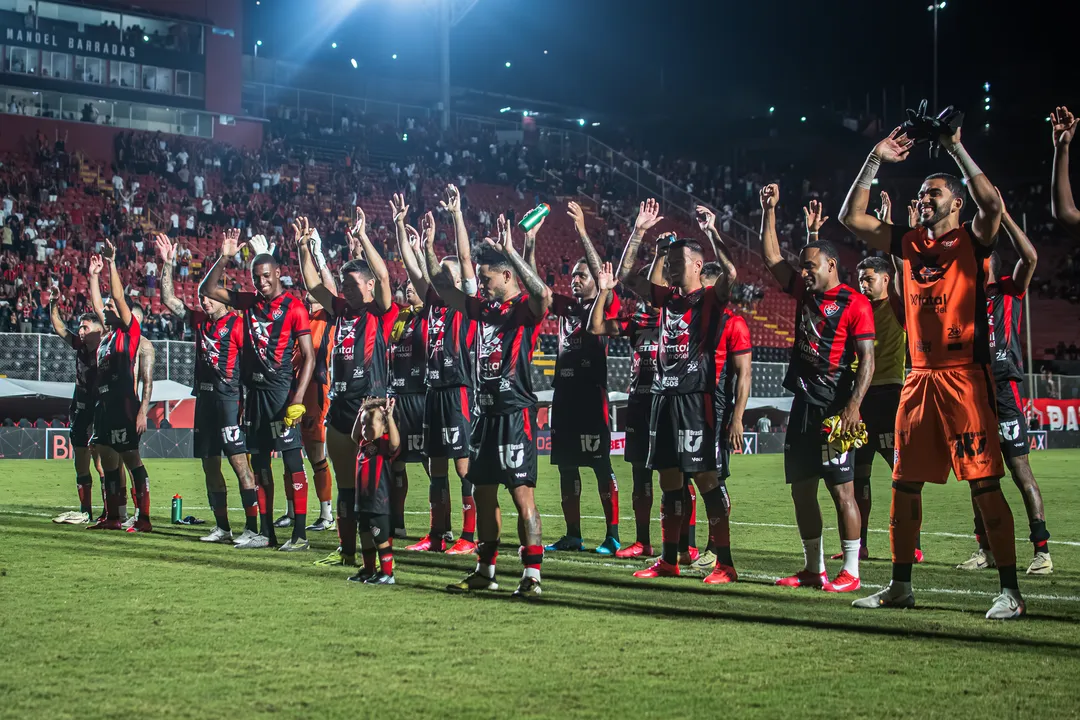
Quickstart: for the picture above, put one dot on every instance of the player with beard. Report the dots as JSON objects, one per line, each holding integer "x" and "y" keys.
{"x": 118, "y": 418}
{"x": 580, "y": 433}
{"x": 503, "y": 438}
{"x": 1005, "y": 295}
{"x": 219, "y": 338}
{"x": 85, "y": 343}
{"x": 363, "y": 314}
{"x": 682, "y": 420}
{"x": 408, "y": 382}
{"x": 275, "y": 322}
{"x": 449, "y": 406}
{"x": 834, "y": 329}
{"x": 947, "y": 418}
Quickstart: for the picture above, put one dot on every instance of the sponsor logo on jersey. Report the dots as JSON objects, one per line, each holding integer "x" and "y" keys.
{"x": 930, "y": 301}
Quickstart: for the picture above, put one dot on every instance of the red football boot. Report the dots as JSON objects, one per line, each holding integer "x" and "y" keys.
{"x": 864, "y": 554}
{"x": 141, "y": 525}
{"x": 105, "y": 524}
{"x": 844, "y": 582}
{"x": 633, "y": 551}
{"x": 658, "y": 569}
{"x": 804, "y": 578}
{"x": 462, "y": 547}
{"x": 721, "y": 574}
{"x": 918, "y": 555}
{"x": 421, "y": 546}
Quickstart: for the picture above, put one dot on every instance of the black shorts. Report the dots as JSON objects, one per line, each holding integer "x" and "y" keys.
{"x": 580, "y": 435}
{"x": 264, "y": 421}
{"x": 409, "y": 416}
{"x": 448, "y": 422}
{"x": 878, "y": 412}
{"x": 1012, "y": 425}
{"x": 723, "y": 448}
{"x": 82, "y": 424}
{"x": 807, "y": 456}
{"x": 504, "y": 450}
{"x": 638, "y": 410}
{"x": 373, "y": 494}
{"x": 682, "y": 433}
{"x": 217, "y": 426}
{"x": 343, "y": 413}
{"x": 114, "y": 422}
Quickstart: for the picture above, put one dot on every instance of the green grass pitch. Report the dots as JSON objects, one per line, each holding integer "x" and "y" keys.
{"x": 162, "y": 626}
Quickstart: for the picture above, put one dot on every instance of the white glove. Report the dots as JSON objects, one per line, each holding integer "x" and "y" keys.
{"x": 259, "y": 245}
{"x": 316, "y": 250}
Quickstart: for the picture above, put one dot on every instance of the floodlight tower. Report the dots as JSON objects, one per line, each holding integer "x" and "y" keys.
{"x": 450, "y": 13}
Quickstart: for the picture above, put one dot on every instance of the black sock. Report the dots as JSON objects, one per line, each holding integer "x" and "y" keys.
{"x": 220, "y": 505}
{"x": 249, "y": 498}
{"x": 901, "y": 572}
{"x": 1039, "y": 536}
{"x": 1007, "y": 575}
{"x": 85, "y": 484}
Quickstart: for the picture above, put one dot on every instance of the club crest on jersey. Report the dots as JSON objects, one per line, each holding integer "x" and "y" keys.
{"x": 830, "y": 308}
{"x": 948, "y": 244}
{"x": 675, "y": 343}
{"x": 278, "y": 312}
{"x": 223, "y": 332}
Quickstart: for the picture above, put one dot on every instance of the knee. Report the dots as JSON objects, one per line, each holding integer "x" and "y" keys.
{"x": 467, "y": 488}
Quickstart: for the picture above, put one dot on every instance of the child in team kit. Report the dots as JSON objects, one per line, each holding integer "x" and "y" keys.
{"x": 376, "y": 434}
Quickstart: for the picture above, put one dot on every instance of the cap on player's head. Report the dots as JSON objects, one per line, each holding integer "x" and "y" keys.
{"x": 875, "y": 274}
{"x": 941, "y": 195}
{"x": 685, "y": 259}
{"x": 266, "y": 275}
{"x": 819, "y": 265}
{"x": 582, "y": 283}
{"x": 357, "y": 283}
{"x": 494, "y": 274}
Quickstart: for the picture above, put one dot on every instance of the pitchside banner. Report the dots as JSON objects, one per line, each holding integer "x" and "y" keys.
{"x": 1057, "y": 414}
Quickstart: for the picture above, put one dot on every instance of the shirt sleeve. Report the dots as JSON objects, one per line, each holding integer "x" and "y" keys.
{"x": 611, "y": 312}
{"x": 388, "y": 318}
{"x": 433, "y": 298}
{"x": 862, "y": 319}
{"x": 1007, "y": 285}
{"x": 561, "y": 305}
{"x": 339, "y": 307}
{"x": 796, "y": 288}
{"x": 196, "y": 318}
{"x": 134, "y": 333}
{"x": 738, "y": 336}
{"x": 474, "y": 308}
{"x": 298, "y": 319}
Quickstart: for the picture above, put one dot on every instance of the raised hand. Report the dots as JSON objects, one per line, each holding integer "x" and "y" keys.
{"x": 706, "y": 218}
{"x": 896, "y": 147}
{"x": 913, "y": 214}
{"x": 648, "y": 215}
{"x": 577, "y": 215}
{"x": 96, "y": 265}
{"x": 606, "y": 279}
{"x": 452, "y": 204}
{"x": 530, "y": 235}
{"x": 884, "y": 213}
{"x": 1064, "y": 126}
{"x": 259, "y": 245}
{"x": 230, "y": 244}
{"x": 391, "y": 403}
{"x": 108, "y": 253}
{"x": 427, "y": 224}
{"x": 399, "y": 208}
{"x": 165, "y": 247}
{"x": 301, "y": 231}
{"x": 815, "y": 216}
{"x": 414, "y": 240}
{"x": 1001, "y": 201}
{"x": 769, "y": 196}
{"x": 504, "y": 243}
{"x": 360, "y": 226}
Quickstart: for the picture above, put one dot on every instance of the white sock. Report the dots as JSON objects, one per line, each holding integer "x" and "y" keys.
{"x": 324, "y": 511}
{"x": 533, "y": 573}
{"x": 487, "y": 571}
{"x": 122, "y": 512}
{"x": 851, "y": 556}
{"x": 815, "y": 557}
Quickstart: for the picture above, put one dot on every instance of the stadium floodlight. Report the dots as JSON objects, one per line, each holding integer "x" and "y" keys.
{"x": 146, "y": 38}
{"x": 352, "y": 61}
{"x": 986, "y": 107}
{"x": 986, "y": 87}
{"x": 405, "y": 137}
{"x": 986, "y": 126}
{"x": 986, "y": 99}
{"x": 802, "y": 119}
{"x": 505, "y": 109}
{"x": 394, "y": 56}
{"x": 545, "y": 52}
{"x": 875, "y": 181}
{"x": 581, "y": 122}
{"x": 772, "y": 109}
{"x": 333, "y": 45}
{"x": 507, "y": 63}
{"x": 596, "y": 124}
{"x": 259, "y": 43}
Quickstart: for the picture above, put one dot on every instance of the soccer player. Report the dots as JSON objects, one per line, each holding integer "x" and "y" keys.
{"x": 219, "y": 338}
{"x": 364, "y": 314}
{"x": 1062, "y": 204}
{"x": 503, "y": 440}
{"x": 118, "y": 419}
{"x": 85, "y": 344}
{"x": 834, "y": 328}
{"x": 580, "y": 430}
{"x": 1005, "y": 294}
{"x": 275, "y": 322}
{"x": 449, "y": 406}
{"x": 682, "y": 424}
{"x": 378, "y": 441}
{"x": 946, "y": 415}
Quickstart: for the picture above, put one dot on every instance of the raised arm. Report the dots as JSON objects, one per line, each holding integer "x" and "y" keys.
{"x": 230, "y": 240}
{"x": 461, "y": 239}
{"x": 384, "y": 296}
{"x": 647, "y": 217}
{"x": 605, "y": 286}
{"x": 57, "y": 324}
{"x": 987, "y": 220}
{"x": 815, "y": 217}
{"x": 441, "y": 279}
{"x": 780, "y": 268}
{"x": 530, "y": 245}
{"x": 1062, "y": 204}
{"x": 539, "y": 292}
{"x": 656, "y": 270}
{"x": 1025, "y": 266}
{"x": 393, "y": 436}
{"x": 116, "y": 286}
{"x": 167, "y": 252}
{"x": 410, "y": 251}
{"x": 146, "y": 379}
{"x": 884, "y": 213}
{"x": 313, "y": 281}
{"x": 853, "y": 215}
{"x": 591, "y": 258}
{"x": 96, "y": 304}
{"x": 326, "y": 275}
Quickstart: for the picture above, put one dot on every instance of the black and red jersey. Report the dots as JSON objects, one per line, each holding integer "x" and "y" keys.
{"x": 218, "y": 344}
{"x": 373, "y": 463}
{"x": 116, "y": 359}
{"x": 734, "y": 341}
{"x": 359, "y": 363}
{"x": 690, "y": 328}
{"x": 643, "y": 330}
{"x": 582, "y": 358}
{"x": 85, "y": 370}
{"x": 507, "y": 338}
{"x": 828, "y": 325}
{"x": 451, "y": 346}
{"x": 1005, "y": 311}
{"x": 408, "y": 352}
{"x": 272, "y": 329}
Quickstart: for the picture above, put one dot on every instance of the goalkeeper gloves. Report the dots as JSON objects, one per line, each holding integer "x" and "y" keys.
{"x": 293, "y": 414}
{"x": 841, "y": 442}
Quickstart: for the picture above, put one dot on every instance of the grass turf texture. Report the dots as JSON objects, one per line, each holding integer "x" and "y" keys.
{"x": 104, "y": 624}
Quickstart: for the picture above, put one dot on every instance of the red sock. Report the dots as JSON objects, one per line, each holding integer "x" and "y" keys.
{"x": 142, "y": 498}
{"x": 468, "y": 514}
{"x": 386, "y": 560}
{"x": 532, "y": 557}
{"x": 299, "y": 492}
{"x": 323, "y": 481}
{"x": 262, "y": 499}
{"x": 609, "y": 500}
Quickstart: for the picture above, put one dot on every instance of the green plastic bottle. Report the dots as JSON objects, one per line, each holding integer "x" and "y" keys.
{"x": 532, "y": 218}
{"x": 177, "y": 508}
